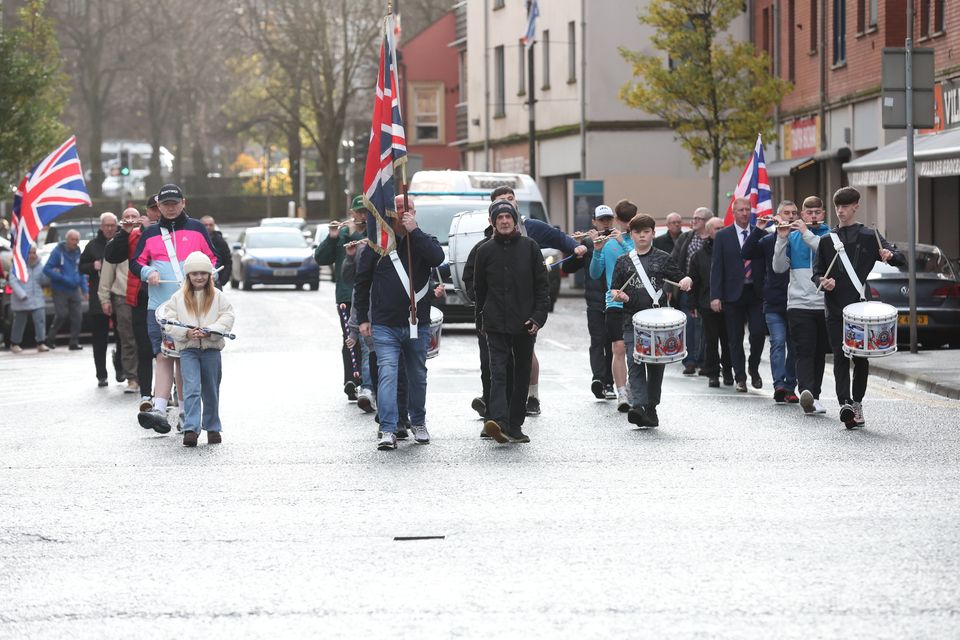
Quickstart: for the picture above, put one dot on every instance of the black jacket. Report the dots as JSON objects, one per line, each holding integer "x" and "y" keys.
{"x": 759, "y": 246}
{"x": 860, "y": 244}
{"x": 510, "y": 282}
{"x": 91, "y": 253}
{"x": 699, "y": 272}
{"x": 224, "y": 257}
{"x": 658, "y": 265}
{"x": 594, "y": 289}
{"x": 379, "y": 295}
{"x": 469, "y": 267}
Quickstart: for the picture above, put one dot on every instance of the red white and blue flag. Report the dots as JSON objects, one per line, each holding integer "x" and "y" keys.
{"x": 53, "y": 187}
{"x": 755, "y": 185}
{"x": 533, "y": 12}
{"x": 388, "y": 149}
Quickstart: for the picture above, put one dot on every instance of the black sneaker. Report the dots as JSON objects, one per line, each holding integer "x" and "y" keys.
{"x": 403, "y": 427}
{"x": 50, "y": 344}
{"x": 755, "y": 380}
{"x": 519, "y": 438}
{"x": 741, "y": 386}
{"x": 714, "y": 383}
{"x": 609, "y": 392}
{"x": 533, "y": 406}
{"x": 596, "y": 387}
{"x": 155, "y": 419}
{"x": 728, "y": 379}
{"x": 637, "y": 417}
{"x": 75, "y": 347}
{"x": 479, "y": 406}
{"x": 847, "y": 415}
{"x": 653, "y": 420}
{"x": 350, "y": 389}
{"x": 102, "y": 382}
{"x": 779, "y": 395}
{"x": 690, "y": 370}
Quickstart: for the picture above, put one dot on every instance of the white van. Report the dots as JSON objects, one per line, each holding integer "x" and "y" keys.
{"x": 441, "y": 196}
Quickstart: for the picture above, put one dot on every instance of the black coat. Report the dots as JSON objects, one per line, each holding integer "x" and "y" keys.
{"x": 658, "y": 266}
{"x": 699, "y": 272}
{"x": 91, "y": 253}
{"x": 759, "y": 246}
{"x": 224, "y": 256}
{"x": 511, "y": 285}
{"x": 860, "y": 245}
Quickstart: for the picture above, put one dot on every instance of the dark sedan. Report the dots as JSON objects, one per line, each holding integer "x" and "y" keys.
{"x": 266, "y": 255}
{"x": 938, "y": 296}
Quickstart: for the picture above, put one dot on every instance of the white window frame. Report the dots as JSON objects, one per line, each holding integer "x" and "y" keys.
{"x": 416, "y": 89}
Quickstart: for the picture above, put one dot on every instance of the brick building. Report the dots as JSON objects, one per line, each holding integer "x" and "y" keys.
{"x": 830, "y": 130}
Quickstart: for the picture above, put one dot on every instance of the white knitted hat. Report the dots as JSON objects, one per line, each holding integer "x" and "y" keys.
{"x": 197, "y": 262}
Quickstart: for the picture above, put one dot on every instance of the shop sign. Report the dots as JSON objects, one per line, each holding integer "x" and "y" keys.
{"x": 877, "y": 177}
{"x": 939, "y": 168}
{"x": 801, "y": 138}
{"x": 946, "y": 106}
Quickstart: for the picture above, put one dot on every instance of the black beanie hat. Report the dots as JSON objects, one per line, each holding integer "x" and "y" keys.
{"x": 502, "y": 206}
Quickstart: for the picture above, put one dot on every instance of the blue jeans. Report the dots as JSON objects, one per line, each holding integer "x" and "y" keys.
{"x": 201, "y": 385}
{"x": 782, "y": 364}
{"x": 366, "y": 380}
{"x": 389, "y": 342}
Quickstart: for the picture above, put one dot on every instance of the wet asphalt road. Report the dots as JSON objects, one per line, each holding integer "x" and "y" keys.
{"x": 736, "y": 518}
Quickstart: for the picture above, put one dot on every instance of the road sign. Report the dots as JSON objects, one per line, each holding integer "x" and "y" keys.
{"x": 894, "y": 87}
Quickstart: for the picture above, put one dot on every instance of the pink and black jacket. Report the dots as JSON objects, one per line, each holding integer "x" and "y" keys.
{"x": 188, "y": 235}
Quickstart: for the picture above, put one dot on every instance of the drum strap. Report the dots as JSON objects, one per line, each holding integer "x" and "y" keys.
{"x": 653, "y": 293}
{"x": 404, "y": 280}
{"x": 845, "y": 259}
{"x": 171, "y": 254}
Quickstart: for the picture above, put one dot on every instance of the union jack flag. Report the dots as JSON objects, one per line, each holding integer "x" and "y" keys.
{"x": 755, "y": 185}
{"x": 54, "y": 186}
{"x": 533, "y": 12}
{"x": 388, "y": 149}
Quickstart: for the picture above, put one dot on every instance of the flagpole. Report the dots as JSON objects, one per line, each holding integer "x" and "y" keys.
{"x": 406, "y": 201}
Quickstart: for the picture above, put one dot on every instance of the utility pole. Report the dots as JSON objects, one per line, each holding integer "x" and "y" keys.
{"x": 911, "y": 185}
{"x": 531, "y": 101}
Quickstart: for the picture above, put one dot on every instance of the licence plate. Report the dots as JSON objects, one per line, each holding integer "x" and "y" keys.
{"x": 922, "y": 319}
{"x": 284, "y": 273}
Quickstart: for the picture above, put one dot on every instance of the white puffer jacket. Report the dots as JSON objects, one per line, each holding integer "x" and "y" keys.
{"x": 219, "y": 318}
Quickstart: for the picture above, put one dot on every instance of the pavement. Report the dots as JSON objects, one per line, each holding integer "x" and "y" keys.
{"x": 934, "y": 371}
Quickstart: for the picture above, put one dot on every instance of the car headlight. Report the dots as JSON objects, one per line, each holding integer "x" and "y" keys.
{"x": 250, "y": 260}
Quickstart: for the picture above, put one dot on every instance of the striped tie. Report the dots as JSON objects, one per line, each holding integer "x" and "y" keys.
{"x": 747, "y": 264}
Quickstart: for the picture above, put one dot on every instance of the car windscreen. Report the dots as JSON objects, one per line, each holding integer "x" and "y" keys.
{"x": 87, "y": 230}
{"x": 291, "y": 240}
{"x": 533, "y": 210}
{"x": 434, "y": 217}
{"x": 929, "y": 264}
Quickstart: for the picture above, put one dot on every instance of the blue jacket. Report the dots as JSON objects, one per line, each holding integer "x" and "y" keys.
{"x": 759, "y": 247}
{"x": 605, "y": 260}
{"x": 549, "y": 237}
{"x": 726, "y": 268}
{"x": 63, "y": 270}
{"x": 379, "y": 295}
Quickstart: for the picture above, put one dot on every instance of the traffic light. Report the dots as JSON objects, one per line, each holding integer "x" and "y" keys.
{"x": 124, "y": 162}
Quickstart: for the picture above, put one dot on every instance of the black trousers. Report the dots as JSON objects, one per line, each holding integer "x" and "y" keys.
{"x": 808, "y": 331}
{"x": 748, "y": 310}
{"x": 349, "y": 355}
{"x": 841, "y": 364}
{"x": 100, "y": 338}
{"x": 601, "y": 349}
{"x": 508, "y": 403}
{"x": 144, "y": 349}
{"x": 485, "y": 371}
{"x": 716, "y": 350}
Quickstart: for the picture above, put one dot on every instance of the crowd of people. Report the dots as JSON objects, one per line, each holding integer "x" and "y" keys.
{"x": 156, "y": 280}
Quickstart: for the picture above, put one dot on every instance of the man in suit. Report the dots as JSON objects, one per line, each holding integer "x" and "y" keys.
{"x": 735, "y": 290}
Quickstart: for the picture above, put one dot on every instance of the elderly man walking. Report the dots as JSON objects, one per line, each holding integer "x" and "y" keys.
{"x": 69, "y": 288}
{"x": 112, "y": 293}
{"x": 91, "y": 263}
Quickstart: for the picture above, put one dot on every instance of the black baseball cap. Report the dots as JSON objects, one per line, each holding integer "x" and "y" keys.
{"x": 169, "y": 192}
{"x": 152, "y": 201}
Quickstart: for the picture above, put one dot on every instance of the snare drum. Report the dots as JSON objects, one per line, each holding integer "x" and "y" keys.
{"x": 436, "y": 329}
{"x": 659, "y": 336}
{"x": 869, "y": 329}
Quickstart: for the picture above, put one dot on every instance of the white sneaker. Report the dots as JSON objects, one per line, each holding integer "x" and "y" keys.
{"x": 387, "y": 441}
{"x": 623, "y": 402}
{"x": 366, "y": 400}
{"x": 15, "y": 348}
{"x": 420, "y": 434}
{"x": 817, "y": 407}
{"x": 41, "y": 348}
{"x": 132, "y": 386}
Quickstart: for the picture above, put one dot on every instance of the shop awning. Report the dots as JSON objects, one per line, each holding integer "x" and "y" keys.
{"x": 783, "y": 168}
{"x": 936, "y": 155}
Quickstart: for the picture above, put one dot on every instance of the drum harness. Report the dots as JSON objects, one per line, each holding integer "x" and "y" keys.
{"x": 847, "y": 266}
{"x": 653, "y": 293}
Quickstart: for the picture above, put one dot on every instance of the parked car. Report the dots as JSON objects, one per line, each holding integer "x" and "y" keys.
{"x": 266, "y": 255}
{"x": 87, "y": 228}
{"x": 938, "y": 296}
{"x": 288, "y": 223}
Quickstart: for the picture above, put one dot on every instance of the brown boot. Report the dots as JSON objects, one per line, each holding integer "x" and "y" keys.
{"x": 213, "y": 437}
{"x": 190, "y": 438}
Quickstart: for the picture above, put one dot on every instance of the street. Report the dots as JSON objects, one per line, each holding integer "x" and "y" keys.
{"x": 736, "y": 518}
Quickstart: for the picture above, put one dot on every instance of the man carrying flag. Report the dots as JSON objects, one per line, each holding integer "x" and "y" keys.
{"x": 393, "y": 280}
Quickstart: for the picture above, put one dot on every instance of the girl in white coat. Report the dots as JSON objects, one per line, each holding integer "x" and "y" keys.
{"x": 200, "y": 304}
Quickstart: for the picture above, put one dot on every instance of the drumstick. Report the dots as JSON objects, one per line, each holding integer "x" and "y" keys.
{"x": 819, "y": 286}
{"x": 876, "y": 232}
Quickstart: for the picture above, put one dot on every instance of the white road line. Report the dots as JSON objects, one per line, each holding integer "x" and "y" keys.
{"x": 559, "y": 345}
